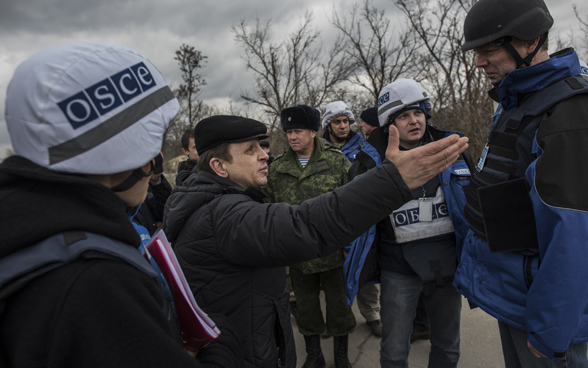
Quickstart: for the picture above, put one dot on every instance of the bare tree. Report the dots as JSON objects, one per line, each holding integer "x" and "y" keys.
{"x": 190, "y": 61}
{"x": 379, "y": 53}
{"x": 458, "y": 87}
{"x": 192, "y": 108}
{"x": 296, "y": 70}
{"x": 584, "y": 29}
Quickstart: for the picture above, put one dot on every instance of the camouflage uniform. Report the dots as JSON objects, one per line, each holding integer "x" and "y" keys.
{"x": 289, "y": 182}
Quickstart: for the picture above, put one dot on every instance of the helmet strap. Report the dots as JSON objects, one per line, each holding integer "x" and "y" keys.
{"x": 138, "y": 174}
{"x": 506, "y": 43}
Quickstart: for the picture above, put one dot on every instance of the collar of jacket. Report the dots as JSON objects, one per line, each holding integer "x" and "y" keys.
{"x": 227, "y": 186}
{"x": 316, "y": 162}
{"x": 352, "y": 139}
{"x": 519, "y": 82}
{"x": 327, "y": 136}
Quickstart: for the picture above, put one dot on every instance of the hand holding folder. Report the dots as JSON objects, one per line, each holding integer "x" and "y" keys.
{"x": 197, "y": 329}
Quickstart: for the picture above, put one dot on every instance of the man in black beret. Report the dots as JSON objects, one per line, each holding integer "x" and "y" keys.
{"x": 233, "y": 247}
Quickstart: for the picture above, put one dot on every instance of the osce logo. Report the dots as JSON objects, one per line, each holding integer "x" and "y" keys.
{"x": 106, "y": 95}
{"x": 383, "y": 99}
{"x": 411, "y": 216}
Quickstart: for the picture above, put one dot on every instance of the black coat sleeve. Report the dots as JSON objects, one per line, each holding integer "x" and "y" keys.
{"x": 278, "y": 234}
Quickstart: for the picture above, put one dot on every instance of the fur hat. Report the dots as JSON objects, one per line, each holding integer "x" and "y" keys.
{"x": 300, "y": 117}
{"x": 370, "y": 116}
{"x": 335, "y": 109}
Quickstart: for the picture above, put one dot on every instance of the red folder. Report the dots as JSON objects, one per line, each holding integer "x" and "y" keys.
{"x": 197, "y": 329}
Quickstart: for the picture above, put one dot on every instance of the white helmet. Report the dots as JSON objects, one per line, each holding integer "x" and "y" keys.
{"x": 88, "y": 108}
{"x": 402, "y": 94}
{"x": 583, "y": 67}
{"x": 334, "y": 109}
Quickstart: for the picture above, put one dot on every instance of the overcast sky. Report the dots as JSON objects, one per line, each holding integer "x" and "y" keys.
{"x": 157, "y": 28}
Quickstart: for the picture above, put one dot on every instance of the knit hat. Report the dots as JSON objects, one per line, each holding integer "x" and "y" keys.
{"x": 212, "y": 131}
{"x": 88, "y": 108}
{"x": 399, "y": 96}
{"x": 416, "y": 106}
{"x": 335, "y": 109}
{"x": 370, "y": 116}
{"x": 300, "y": 117}
{"x": 265, "y": 144}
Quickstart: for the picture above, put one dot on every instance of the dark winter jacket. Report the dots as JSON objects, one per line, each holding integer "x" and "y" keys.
{"x": 185, "y": 168}
{"x": 98, "y": 312}
{"x": 232, "y": 248}
{"x": 151, "y": 211}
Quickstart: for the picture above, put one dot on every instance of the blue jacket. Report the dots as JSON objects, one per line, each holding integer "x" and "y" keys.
{"x": 544, "y": 290}
{"x": 361, "y": 262}
{"x": 355, "y": 144}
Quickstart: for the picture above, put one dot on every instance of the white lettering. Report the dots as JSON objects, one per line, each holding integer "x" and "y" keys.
{"x": 122, "y": 84}
{"x": 105, "y": 96}
{"x": 73, "y": 116}
{"x": 442, "y": 208}
{"x": 400, "y": 218}
{"x": 462, "y": 172}
{"x": 414, "y": 215}
{"x": 143, "y": 72}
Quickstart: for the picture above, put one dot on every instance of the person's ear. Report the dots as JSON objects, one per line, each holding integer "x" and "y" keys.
{"x": 184, "y": 151}
{"x": 531, "y": 45}
{"x": 218, "y": 167}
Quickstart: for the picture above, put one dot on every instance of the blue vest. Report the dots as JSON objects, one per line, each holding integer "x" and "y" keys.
{"x": 500, "y": 186}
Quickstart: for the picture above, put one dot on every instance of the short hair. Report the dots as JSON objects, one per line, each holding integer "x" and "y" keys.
{"x": 189, "y": 133}
{"x": 545, "y": 45}
{"x": 220, "y": 151}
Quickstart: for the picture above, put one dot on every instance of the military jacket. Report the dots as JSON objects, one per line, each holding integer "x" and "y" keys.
{"x": 289, "y": 182}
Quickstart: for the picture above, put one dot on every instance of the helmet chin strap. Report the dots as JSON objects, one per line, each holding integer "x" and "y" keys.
{"x": 139, "y": 174}
{"x": 506, "y": 42}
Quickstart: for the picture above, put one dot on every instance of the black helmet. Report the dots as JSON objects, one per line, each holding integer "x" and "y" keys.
{"x": 490, "y": 20}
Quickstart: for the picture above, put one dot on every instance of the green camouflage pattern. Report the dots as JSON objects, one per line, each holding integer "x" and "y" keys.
{"x": 289, "y": 182}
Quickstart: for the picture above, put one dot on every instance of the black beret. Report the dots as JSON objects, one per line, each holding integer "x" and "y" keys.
{"x": 212, "y": 131}
{"x": 370, "y": 116}
{"x": 300, "y": 117}
{"x": 264, "y": 144}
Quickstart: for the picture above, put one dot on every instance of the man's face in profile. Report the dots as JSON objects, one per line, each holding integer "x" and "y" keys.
{"x": 248, "y": 166}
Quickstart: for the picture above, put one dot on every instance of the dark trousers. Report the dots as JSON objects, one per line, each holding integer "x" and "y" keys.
{"x": 340, "y": 318}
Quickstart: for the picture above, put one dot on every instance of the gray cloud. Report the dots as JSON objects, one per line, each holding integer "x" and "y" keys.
{"x": 158, "y": 28}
